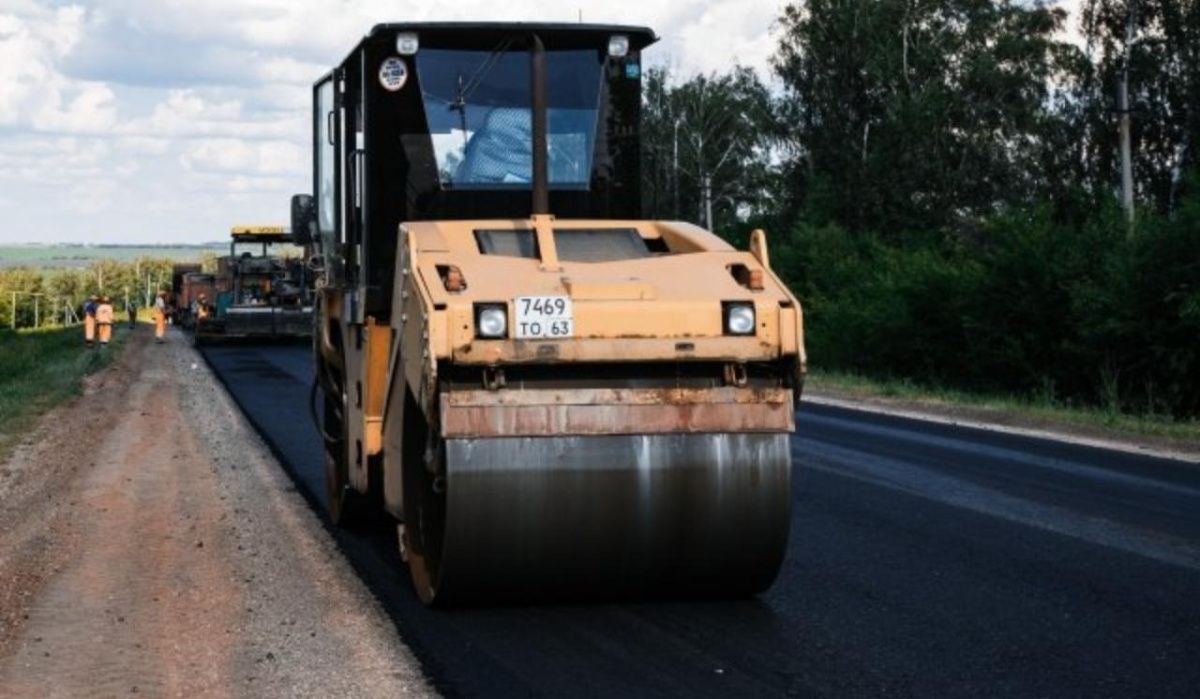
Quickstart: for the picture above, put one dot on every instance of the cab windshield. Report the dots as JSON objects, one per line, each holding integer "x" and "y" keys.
{"x": 258, "y": 248}
{"x": 477, "y": 104}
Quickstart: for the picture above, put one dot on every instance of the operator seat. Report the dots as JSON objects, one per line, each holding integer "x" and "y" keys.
{"x": 499, "y": 152}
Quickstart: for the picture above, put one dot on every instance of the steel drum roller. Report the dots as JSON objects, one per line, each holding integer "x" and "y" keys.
{"x": 611, "y": 516}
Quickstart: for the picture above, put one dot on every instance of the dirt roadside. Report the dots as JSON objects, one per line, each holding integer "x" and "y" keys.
{"x": 150, "y": 545}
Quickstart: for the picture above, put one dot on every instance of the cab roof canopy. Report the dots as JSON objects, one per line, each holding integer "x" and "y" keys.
{"x": 479, "y": 100}
{"x": 555, "y": 35}
{"x": 260, "y": 234}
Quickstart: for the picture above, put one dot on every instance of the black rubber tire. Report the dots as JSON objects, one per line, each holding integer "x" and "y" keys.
{"x": 343, "y": 508}
{"x": 424, "y": 507}
{"x": 347, "y": 507}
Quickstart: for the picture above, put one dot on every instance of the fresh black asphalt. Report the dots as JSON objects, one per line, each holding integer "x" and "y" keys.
{"x": 925, "y": 559}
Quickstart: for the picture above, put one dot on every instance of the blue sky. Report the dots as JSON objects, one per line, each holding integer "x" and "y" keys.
{"x": 160, "y": 121}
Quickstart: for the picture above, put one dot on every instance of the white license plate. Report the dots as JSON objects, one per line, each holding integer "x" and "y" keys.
{"x": 544, "y": 317}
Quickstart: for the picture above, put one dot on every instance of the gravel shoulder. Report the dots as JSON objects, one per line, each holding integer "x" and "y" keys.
{"x": 149, "y": 543}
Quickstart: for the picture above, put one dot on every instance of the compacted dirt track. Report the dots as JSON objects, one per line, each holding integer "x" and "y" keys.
{"x": 149, "y": 544}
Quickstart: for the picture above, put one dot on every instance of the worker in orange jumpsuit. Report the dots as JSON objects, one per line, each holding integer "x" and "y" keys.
{"x": 104, "y": 320}
{"x": 201, "y": 308}
{"x": 89, "y": 321}
{"x": 160, "y": 317}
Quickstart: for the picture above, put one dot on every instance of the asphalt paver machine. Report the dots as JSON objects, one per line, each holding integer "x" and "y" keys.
{"x": 260, "y": 292}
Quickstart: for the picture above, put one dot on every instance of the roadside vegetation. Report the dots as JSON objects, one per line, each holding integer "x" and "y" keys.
{"x": 940, "y": 183}
{"x": 42, "y": 293}
{"x": 1018, "y": 410}
{"x": 40, "y": 369}
{"x": 1062, "y": 313}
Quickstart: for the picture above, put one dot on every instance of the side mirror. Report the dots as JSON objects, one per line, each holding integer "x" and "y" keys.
{"x": 304, "y": 218}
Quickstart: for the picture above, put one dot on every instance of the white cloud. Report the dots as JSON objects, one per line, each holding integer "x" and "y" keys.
{"x": 33, "y": 92}
{"x": 724, "y": 34}
{"x": 246, "y": 158}
{"x": 54, "y": 161}
{"x": 187, "y": 113}
{"x": 92, "y": 197}
{"x": 142, "y": 145}
{"x": 1073, "y": 30}
{"x": 159, "y": 120}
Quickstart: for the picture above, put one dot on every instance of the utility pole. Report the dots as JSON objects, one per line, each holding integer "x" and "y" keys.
{"x": 1123, "y": 106}
{"x": 36, "y": 311}
{"x": 13, "y": 320}
{"x": 675, "y": 173}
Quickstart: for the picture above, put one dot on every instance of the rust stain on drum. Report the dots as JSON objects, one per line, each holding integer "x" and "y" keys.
{"x": 615, "y": 418}
{"x": 673, "y": 395}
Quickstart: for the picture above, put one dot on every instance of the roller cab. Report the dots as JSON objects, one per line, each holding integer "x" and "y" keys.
{"x": 552, "y": 397}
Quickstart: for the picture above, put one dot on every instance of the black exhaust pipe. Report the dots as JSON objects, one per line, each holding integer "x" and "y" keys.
{"x": 537, "y": 84}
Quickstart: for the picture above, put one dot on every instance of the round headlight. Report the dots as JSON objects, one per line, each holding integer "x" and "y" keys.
{"x": 492, "y": 322}
{"x": 407, "y": 43}
{"x": 740, "y": 320}
{"x": 618, "y": 46}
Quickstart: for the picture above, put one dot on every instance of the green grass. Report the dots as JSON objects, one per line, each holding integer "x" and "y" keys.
{"x": 1043, "y": 412}
{"x": 38, "y": 370}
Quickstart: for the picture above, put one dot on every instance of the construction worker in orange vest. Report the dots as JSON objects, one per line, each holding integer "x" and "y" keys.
{"x": 160, "y": 317}
{"x": 104, "y": 320}
{"x": 89, "y": 320}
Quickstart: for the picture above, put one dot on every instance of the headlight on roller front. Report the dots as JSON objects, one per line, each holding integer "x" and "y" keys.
{"x": 491, "y": 320}
{"x": 739, "y": 319}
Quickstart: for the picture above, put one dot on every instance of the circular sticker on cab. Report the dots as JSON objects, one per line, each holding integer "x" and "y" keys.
{"x": 393, "y": 73}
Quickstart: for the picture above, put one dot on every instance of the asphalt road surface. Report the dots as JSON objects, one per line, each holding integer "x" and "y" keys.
{"x": 924, "y": 560}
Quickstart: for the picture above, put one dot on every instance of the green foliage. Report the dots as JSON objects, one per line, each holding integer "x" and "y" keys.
{"x": 908, "y": 115}
{"x": 1080, "y": 313}
{"x": 714, "y": 129}
{"x": 1164, "y": 93}
{"x": 70, "y": 287}
{"x": 939, "y": 177}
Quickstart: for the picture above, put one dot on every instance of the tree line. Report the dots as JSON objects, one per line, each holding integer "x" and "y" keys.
{"x": 40, "y": 295}
{"x": 940, "y": 181}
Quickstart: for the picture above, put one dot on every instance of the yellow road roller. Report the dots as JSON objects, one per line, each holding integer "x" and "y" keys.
{"x": 552, "y": 397}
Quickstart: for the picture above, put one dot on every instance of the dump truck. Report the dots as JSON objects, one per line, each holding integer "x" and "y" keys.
{"x": 551, "y": 396}
{"x": 179, "y": 294}
{"x": 258, "y": 293}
